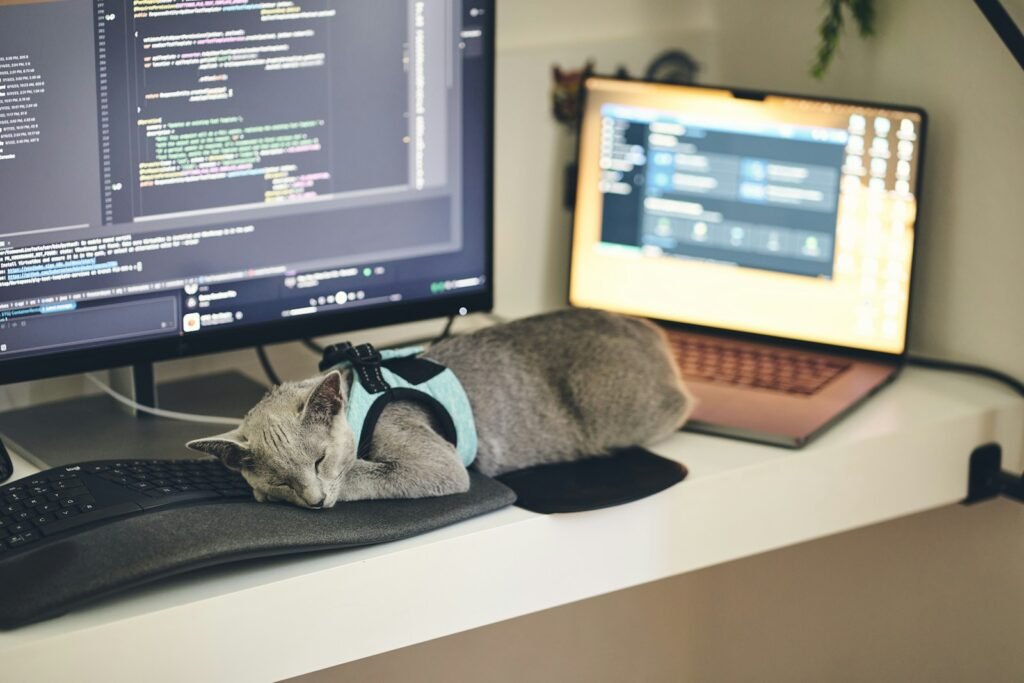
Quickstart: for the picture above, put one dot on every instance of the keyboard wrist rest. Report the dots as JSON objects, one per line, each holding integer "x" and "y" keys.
{"x": 66, "y": 573}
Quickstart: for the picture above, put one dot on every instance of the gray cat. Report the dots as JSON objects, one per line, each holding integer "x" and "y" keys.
{"x": 550, "y": 388}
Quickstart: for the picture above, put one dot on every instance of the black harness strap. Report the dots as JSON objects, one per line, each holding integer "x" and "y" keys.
{"x": 445, "y": 424}
{"x": 365, "y": 361}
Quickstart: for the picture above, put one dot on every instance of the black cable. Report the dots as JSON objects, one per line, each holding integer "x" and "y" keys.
{"x": 261, "y": 353}
{"x": 1004, "y": 25}
{"x": 6, "y": 466}
{"x": 494, "y": 317}
{"x": 937, "y": 364}
{"x": 446, "y": 331}
{"x": 313, "y": 346}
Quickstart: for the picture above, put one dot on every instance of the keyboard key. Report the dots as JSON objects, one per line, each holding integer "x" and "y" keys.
{"x": 43, "y": 520}
{"x": 73, "y": 491}
{"x": 16, "y": 541}
{"x": 67, "y": 513}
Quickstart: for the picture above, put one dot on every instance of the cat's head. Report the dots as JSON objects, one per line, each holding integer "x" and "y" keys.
{"x": 294, "y": 445}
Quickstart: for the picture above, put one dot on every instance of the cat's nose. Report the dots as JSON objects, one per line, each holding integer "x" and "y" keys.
{"x": 319, "y": 503}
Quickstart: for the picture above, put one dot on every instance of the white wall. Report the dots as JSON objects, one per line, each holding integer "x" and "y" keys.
{"x": 531, "y": 149}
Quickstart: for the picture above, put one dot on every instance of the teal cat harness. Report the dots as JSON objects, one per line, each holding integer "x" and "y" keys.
{"x": 383, "y": 377}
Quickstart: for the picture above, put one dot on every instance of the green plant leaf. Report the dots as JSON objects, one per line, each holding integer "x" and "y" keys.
{"x": 831, "y": 27}
{"x": 863, "y": 12}
{"x": 829, "y": 30}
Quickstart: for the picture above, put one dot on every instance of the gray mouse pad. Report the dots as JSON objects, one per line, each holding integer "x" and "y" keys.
{"x": 57, "y": 577}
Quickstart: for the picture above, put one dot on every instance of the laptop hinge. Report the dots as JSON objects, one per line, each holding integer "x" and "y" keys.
{"x": 986, "y": 479}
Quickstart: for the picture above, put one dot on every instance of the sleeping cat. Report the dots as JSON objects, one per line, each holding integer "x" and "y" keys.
{"x": 551, "y": 388}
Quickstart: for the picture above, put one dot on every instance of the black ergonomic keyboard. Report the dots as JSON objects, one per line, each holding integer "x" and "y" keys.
{"x": 776, "y": 370}
{"x": 62, "y": 500}
{"x": 72, "y": 535}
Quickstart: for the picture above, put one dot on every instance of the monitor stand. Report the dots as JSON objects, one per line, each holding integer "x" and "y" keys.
{"x": 100, "y": 428}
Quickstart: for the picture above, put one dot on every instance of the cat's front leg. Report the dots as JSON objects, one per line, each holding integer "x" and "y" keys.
{"x": 369, "y": 480}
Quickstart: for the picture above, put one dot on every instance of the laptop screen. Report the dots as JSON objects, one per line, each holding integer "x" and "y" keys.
{"x": 777, "y": 215}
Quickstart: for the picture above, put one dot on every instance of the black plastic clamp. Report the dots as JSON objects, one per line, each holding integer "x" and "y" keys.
{"x": 986, "y": 479}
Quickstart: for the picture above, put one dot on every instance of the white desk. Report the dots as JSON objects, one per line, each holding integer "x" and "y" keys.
{"x": 905, "y": 451}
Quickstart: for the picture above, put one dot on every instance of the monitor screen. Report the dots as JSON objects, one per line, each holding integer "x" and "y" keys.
{"x": 178, "y": 176}
{"x": 775, "y": 215}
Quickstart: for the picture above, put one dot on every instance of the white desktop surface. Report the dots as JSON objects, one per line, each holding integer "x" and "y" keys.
{"x": 903, "y": 452}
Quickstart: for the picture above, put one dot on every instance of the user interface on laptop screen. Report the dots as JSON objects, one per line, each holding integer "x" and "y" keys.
{"x": 782, "y": 216}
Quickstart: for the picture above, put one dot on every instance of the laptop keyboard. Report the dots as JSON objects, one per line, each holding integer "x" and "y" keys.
{"x": 776, "y": 370}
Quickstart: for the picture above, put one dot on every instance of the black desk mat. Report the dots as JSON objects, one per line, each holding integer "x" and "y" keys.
{"x": 626, "y": 475}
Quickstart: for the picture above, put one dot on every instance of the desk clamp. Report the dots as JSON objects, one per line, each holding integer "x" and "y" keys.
{"x": 986, "y": 479}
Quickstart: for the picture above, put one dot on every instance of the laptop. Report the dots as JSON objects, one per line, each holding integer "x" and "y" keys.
{"x": 771, "y": 235}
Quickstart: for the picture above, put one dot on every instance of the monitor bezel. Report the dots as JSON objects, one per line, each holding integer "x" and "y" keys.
{"x": 753, "y": 93}
{"x": 86, "y": 359}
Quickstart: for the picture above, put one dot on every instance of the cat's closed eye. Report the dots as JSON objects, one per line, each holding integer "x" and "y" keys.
{"x": 316, "y": 465}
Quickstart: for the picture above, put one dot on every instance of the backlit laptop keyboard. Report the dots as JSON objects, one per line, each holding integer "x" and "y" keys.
{"x": 776, "y": 370}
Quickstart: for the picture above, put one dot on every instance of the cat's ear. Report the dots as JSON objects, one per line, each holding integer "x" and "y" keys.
{"x": 228, "y": 446}
{"x": 325, "y": 402}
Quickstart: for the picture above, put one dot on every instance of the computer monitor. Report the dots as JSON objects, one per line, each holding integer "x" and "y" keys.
{"x": 776, "y": 215}
{"x": 180, "y": 177}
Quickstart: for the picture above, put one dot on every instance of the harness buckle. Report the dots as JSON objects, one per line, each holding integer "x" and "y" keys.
{"x": 363, "y": 356}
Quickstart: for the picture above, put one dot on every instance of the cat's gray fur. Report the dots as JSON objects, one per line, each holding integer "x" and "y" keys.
{"x": 550, "y": 388}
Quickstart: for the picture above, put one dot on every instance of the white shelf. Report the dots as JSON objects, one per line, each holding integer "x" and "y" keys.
{"x": 903, "y": 452}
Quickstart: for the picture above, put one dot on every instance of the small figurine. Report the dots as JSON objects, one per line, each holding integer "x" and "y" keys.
{"x": 565, "y": 93}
